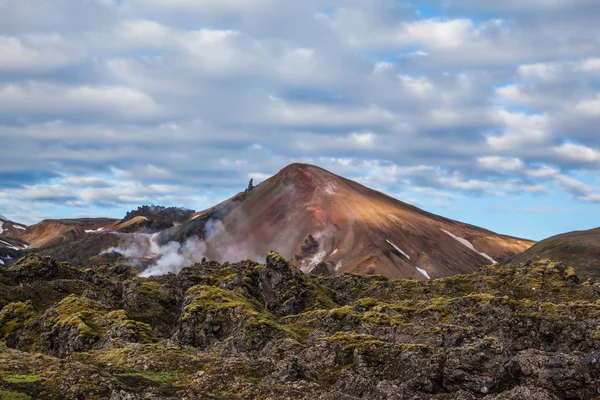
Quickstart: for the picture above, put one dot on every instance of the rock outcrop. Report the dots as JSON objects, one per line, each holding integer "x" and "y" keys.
{"x": 253, "y": 331}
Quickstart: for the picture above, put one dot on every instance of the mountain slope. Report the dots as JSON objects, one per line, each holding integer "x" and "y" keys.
{"x": 580, "y": 249}
{"x": 10, "y": 245}
{"x": 63, "y": 231}
{"x": 10, "y": 228}
{"x": 331, "y": 225}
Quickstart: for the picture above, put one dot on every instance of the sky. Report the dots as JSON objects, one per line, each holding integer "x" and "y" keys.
{"x": 485, "y": 112}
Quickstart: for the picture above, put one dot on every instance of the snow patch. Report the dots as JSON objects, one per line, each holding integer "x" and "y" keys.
{"x": 20, "y": 227}
{"x": 335, "y": 251}
{"x": 1, "y": 227}
{"x": 10, "y": 246}
{"x": 398, "y": 248}
{"x": 1, "y": 262}
{"x": 338, "y": 265}
{"x": 468, "y": 244}
{"x": 94, "y": 230}
{"x": 423, "y": 272}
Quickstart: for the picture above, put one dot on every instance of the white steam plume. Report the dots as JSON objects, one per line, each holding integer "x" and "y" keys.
{"x": 174, "y": 256}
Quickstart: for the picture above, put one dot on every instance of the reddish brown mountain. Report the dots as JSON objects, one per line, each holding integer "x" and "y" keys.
{"x": 331, "y": 225}
{"x": 10, "y": 228}
{"x": 324, "y": 223}
{"x": 61, "y": 231}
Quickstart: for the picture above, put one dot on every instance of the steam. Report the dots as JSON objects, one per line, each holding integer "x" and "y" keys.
{"x": 174, "y": 256}
{"x": 325, "y": 240}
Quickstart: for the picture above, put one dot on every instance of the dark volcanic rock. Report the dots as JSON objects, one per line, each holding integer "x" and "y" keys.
{"x": 285, "y": 290}
{"x": 252, "y": 331}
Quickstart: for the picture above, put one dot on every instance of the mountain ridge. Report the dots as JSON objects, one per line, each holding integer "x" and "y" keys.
{"x": 325, "y": 223}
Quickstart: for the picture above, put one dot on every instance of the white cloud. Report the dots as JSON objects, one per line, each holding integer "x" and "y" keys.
{"x": 196, "y": 94}
{"x": 51, "y": 99}
{"x": 510, "y": 164}
{"x": 577, "y": 153}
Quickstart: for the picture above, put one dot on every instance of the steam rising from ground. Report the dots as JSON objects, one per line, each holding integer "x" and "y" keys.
{"x": 174, "y": 256}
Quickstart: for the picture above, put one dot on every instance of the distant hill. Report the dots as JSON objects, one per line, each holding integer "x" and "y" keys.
{"x": 580, "y": 249}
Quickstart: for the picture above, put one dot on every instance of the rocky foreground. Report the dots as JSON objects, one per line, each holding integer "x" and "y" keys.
{"x": 248, "y": 331}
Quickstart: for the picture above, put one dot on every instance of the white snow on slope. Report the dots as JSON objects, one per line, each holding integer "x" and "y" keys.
{"x": 398, "y": 248}
{"x": 19, "y": 227}
{"x": 1, "y": 262}
{"x": 470, "y": 246}
{"x": 335, "y": 251}
{"x": 10, "y": 246}
{"x": 1, "y": 227}
{"x": 423, "y": 272}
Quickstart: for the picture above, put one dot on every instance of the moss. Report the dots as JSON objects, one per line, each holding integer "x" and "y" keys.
{"x": 341, "y": 313}
{"x": 148, "y": 287}
{"x": 405, "y": 306}
{"x": 367, "y": 302}
{"x": 490, "y": 340}
{"x": 119, "y": 320}
{"x": 382, "y": 319}
{"x": 411, "y": 347}
{"x": 570, "y": 272}
{"x": 13, "y": 316}
{"x": 80, "y": 313}
{"x": 21, "y": 378}
{"x": 436, "y": 330}
{"x": 210, "y": 298}
{"x": 8, "y": 395}
{"x": 351, "y": 340}
{"x": 157, "y": 377}
{"x": 548, "y": 307}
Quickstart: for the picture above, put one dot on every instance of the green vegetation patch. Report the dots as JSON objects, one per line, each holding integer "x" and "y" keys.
{"x": 157, "y": 377}
{"x": 7, "y": 395}
{"x": 21, "y": 378}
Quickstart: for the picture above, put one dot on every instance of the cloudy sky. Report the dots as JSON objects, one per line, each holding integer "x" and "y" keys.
{"x": 483, "y": 111}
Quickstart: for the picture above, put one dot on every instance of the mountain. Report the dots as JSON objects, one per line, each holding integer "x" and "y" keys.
{"x": 331, "y": 225}
{"x": 52, "y": 232}
{"x": 580, "y": 249}
{"x": 324, "y": 223}
{"x": 252, "y": 331}
{"x": 10, "y": 245}
{"x": 10, "y": 228}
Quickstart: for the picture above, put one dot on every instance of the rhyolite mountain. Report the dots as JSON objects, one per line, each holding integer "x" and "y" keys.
{"x": 581, "y": 249}
{"x": 324, "y": 223}
{"x": 331, "y": 225}
{"x": 10, "y": 228}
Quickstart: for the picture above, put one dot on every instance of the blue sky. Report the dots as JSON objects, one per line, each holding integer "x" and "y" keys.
{"x": 485, "y": 112}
